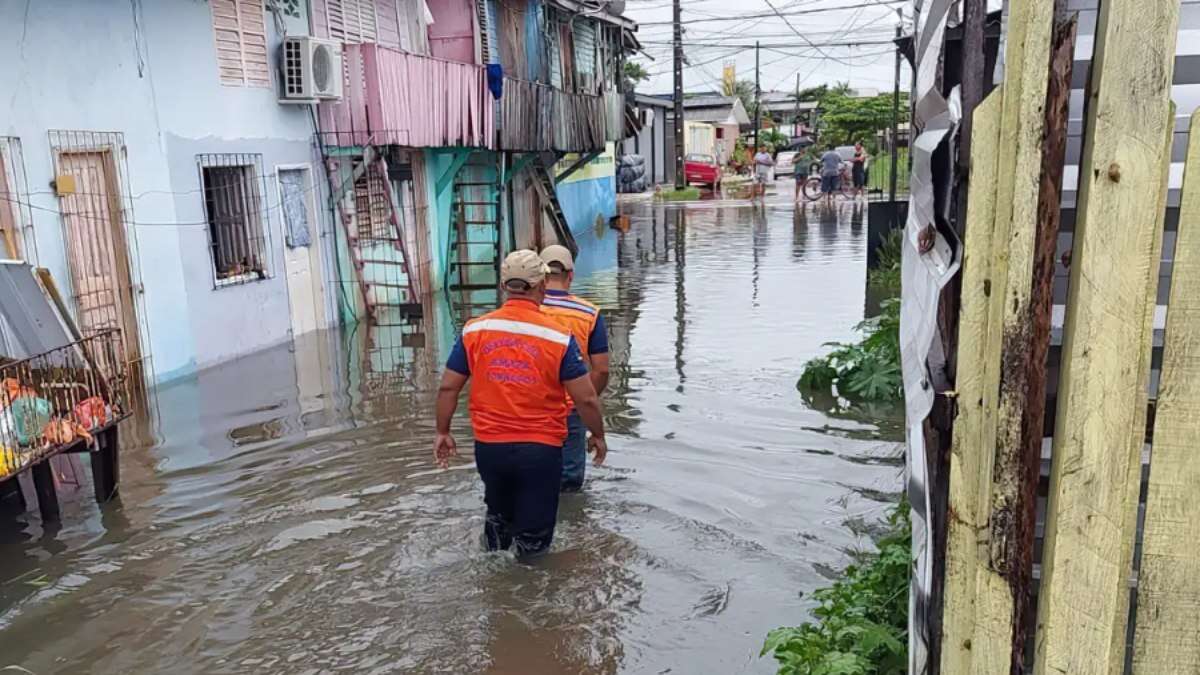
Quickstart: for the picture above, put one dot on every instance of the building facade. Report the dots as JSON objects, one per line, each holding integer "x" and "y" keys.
{"x": 147, "y": 161}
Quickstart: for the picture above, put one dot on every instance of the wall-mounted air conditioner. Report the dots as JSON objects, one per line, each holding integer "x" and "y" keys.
{"x": 312, "y": 70}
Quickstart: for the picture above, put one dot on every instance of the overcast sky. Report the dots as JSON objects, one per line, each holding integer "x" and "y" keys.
{"x": 723, "y": 30}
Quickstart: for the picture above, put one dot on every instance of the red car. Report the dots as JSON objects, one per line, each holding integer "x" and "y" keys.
{"x": 702, "y": 169}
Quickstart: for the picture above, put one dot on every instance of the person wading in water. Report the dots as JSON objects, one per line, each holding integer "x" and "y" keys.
{"x": 583, "y": 319}
{"x": 524, "y": 363}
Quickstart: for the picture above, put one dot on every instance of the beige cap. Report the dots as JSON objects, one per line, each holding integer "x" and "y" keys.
{"x": 556, "y": 253}
{"x": 523, "y": 265}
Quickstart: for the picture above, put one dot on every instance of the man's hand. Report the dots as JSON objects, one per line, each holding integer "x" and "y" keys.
{"x": 444, "y": 449}
{"x": 599, "y": 447}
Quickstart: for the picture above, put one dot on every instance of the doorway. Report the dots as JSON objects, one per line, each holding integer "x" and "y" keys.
{"x": 97, "y": 252}
{"x": 302, "y": 250}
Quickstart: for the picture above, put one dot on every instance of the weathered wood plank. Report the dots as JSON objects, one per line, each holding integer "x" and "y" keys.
{"x": 1101, "y": 418}
{"x": 1168, "y": 619}
{"x": 1024, "y": 343}
{"x": 970, "y": 461}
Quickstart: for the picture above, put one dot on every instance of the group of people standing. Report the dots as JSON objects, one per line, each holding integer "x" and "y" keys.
{"x": 537, "y": 366}
{"x": 829, "y": 164}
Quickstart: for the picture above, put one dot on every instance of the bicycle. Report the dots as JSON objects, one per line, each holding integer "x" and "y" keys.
{"x": 812, "y": 186}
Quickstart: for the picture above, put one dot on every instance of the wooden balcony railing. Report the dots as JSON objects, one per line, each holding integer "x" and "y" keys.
{"x": 535, "y": 117}
{"x": 396, "y": 98}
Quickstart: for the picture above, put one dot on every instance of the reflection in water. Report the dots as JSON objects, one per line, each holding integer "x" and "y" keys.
{"x": 289, "y": 518}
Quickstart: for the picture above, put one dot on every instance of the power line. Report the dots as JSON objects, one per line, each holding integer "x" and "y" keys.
{"x": 780, "y": 14}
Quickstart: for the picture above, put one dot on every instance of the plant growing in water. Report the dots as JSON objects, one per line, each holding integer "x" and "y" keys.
{"x": 868, "y": 370}
{"x": 861, "y": 623}
{"x": 887, "y": 274}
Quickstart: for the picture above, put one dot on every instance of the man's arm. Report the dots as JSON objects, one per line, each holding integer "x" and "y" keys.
{"x": 599, "y": 372}
{"x": 598, "y": 355}
{"x": 444, "y": 446}
{"x": 587, "y": 403}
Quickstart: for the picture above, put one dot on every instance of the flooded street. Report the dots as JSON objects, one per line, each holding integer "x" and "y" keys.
{"x": 290, "y": 519}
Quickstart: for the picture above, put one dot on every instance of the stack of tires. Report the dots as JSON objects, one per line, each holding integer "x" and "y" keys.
{"x": 631, "y": 173}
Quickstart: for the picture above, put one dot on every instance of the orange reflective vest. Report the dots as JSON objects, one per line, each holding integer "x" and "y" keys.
{"x": 576, "y": 315}
{"x": 515, "y": 354}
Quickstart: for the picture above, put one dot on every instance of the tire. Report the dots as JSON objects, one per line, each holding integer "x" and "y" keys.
{"x": 812, "y": 188}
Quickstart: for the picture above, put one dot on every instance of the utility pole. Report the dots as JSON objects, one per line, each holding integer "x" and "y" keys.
{"x": 679, "y": 177}
{"x": 796, "y": 112}
{"x": 896, "y": 127}
{"x": 757, "y": 98}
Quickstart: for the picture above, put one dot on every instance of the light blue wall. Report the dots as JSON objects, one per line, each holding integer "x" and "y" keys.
{"x": 89, "y": 65}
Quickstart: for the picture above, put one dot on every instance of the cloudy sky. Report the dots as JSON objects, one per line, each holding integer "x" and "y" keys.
{"x": 822, "y": 41}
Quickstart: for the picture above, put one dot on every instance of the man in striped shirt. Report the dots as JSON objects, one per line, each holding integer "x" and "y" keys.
{"x": 586, "y": 325}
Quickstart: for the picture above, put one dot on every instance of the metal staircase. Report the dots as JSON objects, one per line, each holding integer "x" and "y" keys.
{"x": 474, "y": 252}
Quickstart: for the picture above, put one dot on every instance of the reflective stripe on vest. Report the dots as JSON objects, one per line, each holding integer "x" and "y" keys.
{"x": 576, "y": 314}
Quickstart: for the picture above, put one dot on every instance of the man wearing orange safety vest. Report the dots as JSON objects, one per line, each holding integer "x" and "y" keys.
{"x": 583, "y": 319}
{"x": 523, "y": 364}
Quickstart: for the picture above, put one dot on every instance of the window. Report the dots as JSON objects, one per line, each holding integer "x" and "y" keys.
{"x": 233, "y": 187}
{"x": 353, "y": 20}
{"x": 240, "y": 29}
{"x": 371, "y": 207}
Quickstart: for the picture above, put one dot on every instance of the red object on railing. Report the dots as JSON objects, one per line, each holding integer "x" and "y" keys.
{"x": 395, "y": 98}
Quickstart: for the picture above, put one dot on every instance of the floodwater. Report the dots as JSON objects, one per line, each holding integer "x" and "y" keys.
{"x": 290, "y": 520}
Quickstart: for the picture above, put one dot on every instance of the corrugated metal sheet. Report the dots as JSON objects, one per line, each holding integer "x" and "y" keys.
{"x": 585, "y": 47}
{"x": 554, "y": 61}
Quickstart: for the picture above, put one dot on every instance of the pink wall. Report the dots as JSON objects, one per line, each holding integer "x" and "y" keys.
{"x": 452, "y": 33}
{"x": 405, "y": 99}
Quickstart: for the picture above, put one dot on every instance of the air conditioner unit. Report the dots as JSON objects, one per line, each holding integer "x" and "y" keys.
{"x": 312, "y": 70}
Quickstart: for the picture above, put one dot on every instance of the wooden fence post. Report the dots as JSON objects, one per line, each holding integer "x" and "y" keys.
{"x": 1004, "y": 335}
{"x": 1168, "y": 616}
{"x": 1101, "y": 418}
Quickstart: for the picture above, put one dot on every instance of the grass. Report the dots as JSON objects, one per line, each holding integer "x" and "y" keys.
{"x": 880, "y": 170}
{"x": 688, "y": 193}
{"x": 860, "y": 625}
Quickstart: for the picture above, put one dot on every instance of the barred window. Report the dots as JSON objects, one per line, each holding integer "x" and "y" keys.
{"x": 372, "y": 209}
{"x": 233, "y": 187}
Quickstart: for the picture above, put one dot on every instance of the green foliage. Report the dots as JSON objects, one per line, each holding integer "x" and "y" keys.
{"x": 686, "y": 194}
{"x": 634, "y": 74}
{"x": 844, "y": 119}
{"x": 861, "y": 621}
{"x": 772, "y": 139}
{"x": 887, "y": 275}
{"x": 743, "y": 89}
{"x": 868, "y": 370}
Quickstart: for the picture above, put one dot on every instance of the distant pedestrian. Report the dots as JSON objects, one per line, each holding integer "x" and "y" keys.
{"x": 859, "y": 168}
{"x": 523, "y": 363}
{"x": 586, "y": 324}
{"x": 803, "y": 166}
{"x": 762, "y": 170}
{"x": 831, "y": 172}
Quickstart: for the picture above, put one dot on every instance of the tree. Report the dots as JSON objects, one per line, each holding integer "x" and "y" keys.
{"x": 634, "y": 74}
{"x": 845, "y": 119}
{"x": 743, "y": 89}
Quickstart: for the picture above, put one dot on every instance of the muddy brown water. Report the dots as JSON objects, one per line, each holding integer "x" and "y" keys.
{"x": 289, "y": 519}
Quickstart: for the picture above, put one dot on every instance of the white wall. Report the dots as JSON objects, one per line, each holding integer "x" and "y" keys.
{"x": 147, "y": 69}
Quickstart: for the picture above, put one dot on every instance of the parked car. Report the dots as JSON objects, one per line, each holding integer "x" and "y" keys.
{"x": 785, "y": 163}
{"x": 702, "y": 169}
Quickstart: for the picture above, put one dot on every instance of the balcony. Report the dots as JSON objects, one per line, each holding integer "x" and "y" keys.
{"x": 535, "y": 117}
{"x": 396, "y": 98}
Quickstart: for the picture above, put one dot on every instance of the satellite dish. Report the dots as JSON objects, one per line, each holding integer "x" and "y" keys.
{"x": 615, "y": 7}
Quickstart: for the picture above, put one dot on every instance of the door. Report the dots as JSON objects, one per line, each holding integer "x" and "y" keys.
{"x": 97, "y": 254}
{"x": 302, "y": 256}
